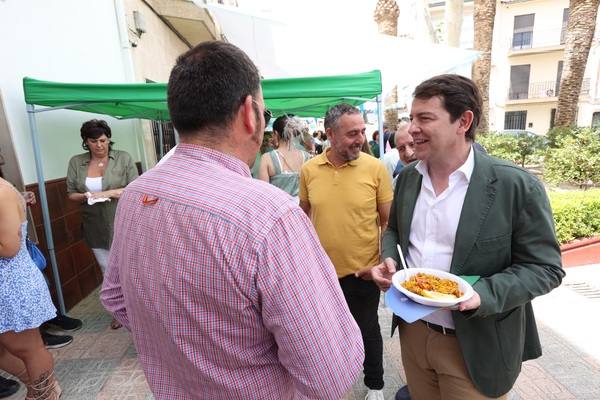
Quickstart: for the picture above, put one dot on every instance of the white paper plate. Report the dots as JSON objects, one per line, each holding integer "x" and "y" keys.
{"x": 404, "y": 274}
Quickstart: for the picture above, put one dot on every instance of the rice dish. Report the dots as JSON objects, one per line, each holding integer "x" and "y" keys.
{"x": 428, "y": 285}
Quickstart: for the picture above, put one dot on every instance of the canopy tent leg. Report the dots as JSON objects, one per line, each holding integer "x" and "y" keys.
{"x": 380, "y": 125}
{"x": 161, "y": 141}
{"x": 44, "y": 204}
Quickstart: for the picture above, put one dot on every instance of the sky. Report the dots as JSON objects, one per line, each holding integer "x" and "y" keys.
{"x": 355, "y": 16}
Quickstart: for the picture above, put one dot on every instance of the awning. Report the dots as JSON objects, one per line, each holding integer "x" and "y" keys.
{"x": 309, "y": 97}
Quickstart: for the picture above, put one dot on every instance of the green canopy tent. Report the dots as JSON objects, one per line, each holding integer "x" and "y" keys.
{"x": 307, "y": 97}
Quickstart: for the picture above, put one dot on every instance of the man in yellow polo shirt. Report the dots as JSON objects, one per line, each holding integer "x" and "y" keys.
{"x": 347, "y": 195}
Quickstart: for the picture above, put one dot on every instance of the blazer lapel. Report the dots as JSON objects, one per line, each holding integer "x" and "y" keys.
{"x": 411, "y": 190}
{"x": 478, "y": 201}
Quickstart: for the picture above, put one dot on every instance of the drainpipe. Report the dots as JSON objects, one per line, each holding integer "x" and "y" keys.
{"x": 127, "y": 60}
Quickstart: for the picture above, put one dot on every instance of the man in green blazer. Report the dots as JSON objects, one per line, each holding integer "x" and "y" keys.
{"x": 462, "y": 211}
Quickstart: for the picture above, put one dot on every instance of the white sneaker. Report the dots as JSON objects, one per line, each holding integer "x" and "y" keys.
{"x": 374, "y": 395}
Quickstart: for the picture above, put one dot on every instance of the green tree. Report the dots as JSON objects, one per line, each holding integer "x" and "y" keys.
{"x": 576, "y": 160}
{"x": 521, "y": 149}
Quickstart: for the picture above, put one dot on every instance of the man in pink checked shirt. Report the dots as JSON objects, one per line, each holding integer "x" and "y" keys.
{"x": 221, "y": 278}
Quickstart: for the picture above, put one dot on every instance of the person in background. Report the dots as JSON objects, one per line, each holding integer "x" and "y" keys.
{"x": 228, "y": 268}
{"x": 325, "y": 142}
{"x": 387, "y": 137}
{"x": 405, "y": 145}
{"x": 61, "y": 322}
{"x": 25, "y": 303}
{"x": 318, "y": 140}
{"x": 347, "y": 195}
{"x": 266, "y": 147}
{"x": 278, "y": 127}
{"x": 392, "y": 157}
{"x": 366, "y": 148}
{"x": 95, "y": 180}
{"x": 462, "y": 211}
{"x": 281, "y": 167}
{"x": 374, "y": 143}
{"x": 269, "y": 143}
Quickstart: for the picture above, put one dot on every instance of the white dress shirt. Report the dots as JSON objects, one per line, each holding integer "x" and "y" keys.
{"x": 390, "y": 160}
{"x": 434, "y": 225}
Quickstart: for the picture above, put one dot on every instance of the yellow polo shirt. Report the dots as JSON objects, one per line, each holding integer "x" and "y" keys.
{"x": 343, "y": 208}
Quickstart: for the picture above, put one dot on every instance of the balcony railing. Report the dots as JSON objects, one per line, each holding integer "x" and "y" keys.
{"x": 540, "y": 90}
{"x": 535, "y": 38}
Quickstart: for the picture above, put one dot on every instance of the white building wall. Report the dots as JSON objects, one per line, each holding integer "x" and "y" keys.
{"x": 547, "y": 21}
{"x": 66, "y": 41}
{"x": 547, "y": 30}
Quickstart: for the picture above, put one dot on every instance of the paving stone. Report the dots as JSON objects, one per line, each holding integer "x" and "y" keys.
{"x": 102, "y": 364}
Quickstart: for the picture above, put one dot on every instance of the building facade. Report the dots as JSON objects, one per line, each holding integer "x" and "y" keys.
{"x": 527, "y": 59}
{"x": 85, "y": 41}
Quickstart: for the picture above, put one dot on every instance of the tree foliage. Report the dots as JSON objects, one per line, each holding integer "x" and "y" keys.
{"x": 522, "y": 149}
{"x": 556, "y": 134}
{"x": 575, "y": 160}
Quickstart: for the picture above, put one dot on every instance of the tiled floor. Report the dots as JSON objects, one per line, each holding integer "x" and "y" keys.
{"x": 102, "y": 363}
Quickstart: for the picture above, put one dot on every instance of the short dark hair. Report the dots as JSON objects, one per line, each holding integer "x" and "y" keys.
{"x": 207, "y": 86}
{"x": 280, "y": 123}
{"x": 336, "y": 112}
{"x": 457, "y": 93}
{"x": 375, "y": 135}
{"x": 93, "y": 129}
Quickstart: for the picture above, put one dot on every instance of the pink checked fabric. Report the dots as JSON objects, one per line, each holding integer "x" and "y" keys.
{"x": 225, "y": 288}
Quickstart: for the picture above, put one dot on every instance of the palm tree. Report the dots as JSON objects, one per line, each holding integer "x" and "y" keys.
{"x": 483, "y": 19}
{"x": 580, "y": 31}
{"x": 386, "y": 15}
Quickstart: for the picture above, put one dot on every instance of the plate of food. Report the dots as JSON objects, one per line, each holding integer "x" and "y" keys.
{"x": 432, "y": 287}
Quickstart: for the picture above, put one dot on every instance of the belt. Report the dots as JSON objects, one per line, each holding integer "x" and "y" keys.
{"x": 438, "y": 328}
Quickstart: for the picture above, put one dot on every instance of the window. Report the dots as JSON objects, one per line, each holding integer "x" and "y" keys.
{"x": 519, "y": 82}
{"x": 552, "y": 117}
{"x": 596, "y": 120}
{"x": 563, "y": 31}
{"x": 515, "y": 120}
{"x": 168, "y": 137}
{"x": 558, "y": 77}
{"x": 164, "y": 129}
{"x": 523, "y": 31}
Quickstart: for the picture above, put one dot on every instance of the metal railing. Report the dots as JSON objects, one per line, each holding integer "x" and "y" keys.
{"x": 539, "y": 90}
{"x": 534, "y": 38}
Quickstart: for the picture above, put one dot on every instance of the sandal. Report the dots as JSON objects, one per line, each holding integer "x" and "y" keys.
{"x": 46, "y": 388}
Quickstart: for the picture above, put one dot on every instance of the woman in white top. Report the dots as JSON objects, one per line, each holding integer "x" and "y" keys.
{"x": 281, "y": 167}
{"x": 95, "y": 180}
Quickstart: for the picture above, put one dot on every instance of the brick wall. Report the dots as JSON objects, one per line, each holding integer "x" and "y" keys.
{"x": 77, "y": 267}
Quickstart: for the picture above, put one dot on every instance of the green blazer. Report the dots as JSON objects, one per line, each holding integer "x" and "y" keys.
{"x": 506, "y": 235}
